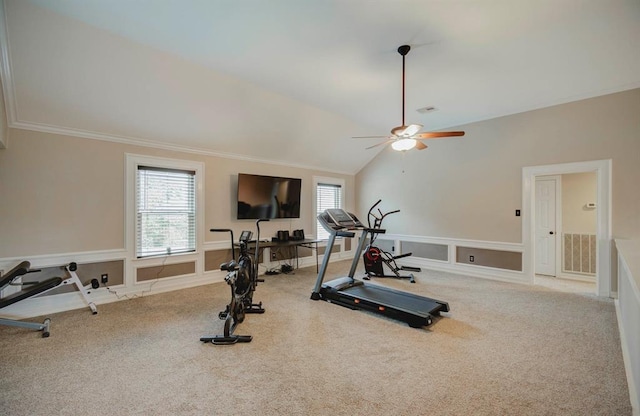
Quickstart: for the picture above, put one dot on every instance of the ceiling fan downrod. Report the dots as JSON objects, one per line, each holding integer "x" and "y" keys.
{"x": 403, "y": 50}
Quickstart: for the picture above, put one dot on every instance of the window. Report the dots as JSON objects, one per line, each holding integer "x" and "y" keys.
{"x": 165, "y": 210}
{"x": 328, "y": 195}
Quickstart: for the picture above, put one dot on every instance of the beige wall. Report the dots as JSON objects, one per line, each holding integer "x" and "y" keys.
{"x": 64, "y": 194}
{"x": 579, "y": 189}
{"x": 470, "y": 187}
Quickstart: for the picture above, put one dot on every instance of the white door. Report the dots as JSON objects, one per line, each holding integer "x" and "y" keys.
{"x": 546, "y": 227}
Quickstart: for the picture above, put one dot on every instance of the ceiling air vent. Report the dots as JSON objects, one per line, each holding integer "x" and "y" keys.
{"x": 427, "y": 109}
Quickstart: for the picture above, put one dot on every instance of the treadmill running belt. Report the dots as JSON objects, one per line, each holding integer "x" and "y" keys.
{"x": 410, "y": 303}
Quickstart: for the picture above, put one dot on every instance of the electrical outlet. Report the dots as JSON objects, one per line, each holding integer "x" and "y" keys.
{"x": 273, "y": 256}
{"x": 104, "y": 278}
{"x": 472, "y": 259}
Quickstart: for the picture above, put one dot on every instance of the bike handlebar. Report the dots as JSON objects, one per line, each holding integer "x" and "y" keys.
{"x": 379, "y": 218}
{"x": 226, "y": 230}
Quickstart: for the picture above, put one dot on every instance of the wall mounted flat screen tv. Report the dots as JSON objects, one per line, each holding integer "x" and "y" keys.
{"x": 262, "y": 196}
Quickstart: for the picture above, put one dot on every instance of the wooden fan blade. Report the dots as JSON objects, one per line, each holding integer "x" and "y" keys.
{"x": 420, "y": 145}
{"x": 370, "y": 137}
{"x": 438, "y": 134}
{"x": 406, "y": 131}
{"x": 379, "y": 144}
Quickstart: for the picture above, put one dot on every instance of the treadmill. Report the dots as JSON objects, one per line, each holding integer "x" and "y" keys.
{"x": 417, "y": 311}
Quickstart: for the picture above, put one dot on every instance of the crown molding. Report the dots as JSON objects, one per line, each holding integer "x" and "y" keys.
{"x": 86, "y": 134}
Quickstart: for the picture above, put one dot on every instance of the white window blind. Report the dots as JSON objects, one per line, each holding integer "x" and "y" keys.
{"x": 166, "y": 211}
{"x": 327, "y": 196}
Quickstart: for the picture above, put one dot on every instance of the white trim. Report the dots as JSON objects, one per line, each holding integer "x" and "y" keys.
{"x": 134, "y": 141}
{"x": 603, "y": 227}
{"x": 59, "y": 259}
{"x": 216, "y": 245}
{"x": 10, "y": 104}
{"x": 490, "y": 273}
{"x": 485, "y": 244}
{"x": 589, "y": 278}
{"x": 132, "y": 161}
{"x": 45, "y": 305}
{"x": 314, "y": 202}
{"x": 450, "y": 265}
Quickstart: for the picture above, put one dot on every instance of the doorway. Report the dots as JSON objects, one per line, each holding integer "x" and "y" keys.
{"x": 602, "y": 170}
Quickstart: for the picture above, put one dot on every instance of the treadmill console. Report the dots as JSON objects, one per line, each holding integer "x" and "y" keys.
{"x": 338, "y": 219}
{"x": 341, "y": 218}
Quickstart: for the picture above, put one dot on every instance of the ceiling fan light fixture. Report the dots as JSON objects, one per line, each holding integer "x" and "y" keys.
{"x": 402, "y": 145}
{"x": 411, "y": 130}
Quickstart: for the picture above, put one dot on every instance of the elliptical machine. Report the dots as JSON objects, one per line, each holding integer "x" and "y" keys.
{"x": 242, "y": 278}
{"x": 375, "y": 258}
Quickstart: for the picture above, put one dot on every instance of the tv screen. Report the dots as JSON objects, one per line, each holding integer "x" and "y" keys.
{"x": 262, "y": 196}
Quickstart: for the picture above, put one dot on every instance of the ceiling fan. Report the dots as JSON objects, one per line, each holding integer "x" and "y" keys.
{"x": 408, "y": 137}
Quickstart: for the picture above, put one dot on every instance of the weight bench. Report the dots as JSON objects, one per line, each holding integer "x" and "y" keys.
{"x": 31, "y": 289}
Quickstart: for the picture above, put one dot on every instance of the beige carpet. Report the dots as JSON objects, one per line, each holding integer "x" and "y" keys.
{"x": 504, "y": 349}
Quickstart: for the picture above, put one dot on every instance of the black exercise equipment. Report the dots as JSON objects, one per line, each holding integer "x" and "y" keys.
{"x": 375, "y": 258}
{"x": 242, "y": 278}
{"x": 30, "y": 289}
{"x": 417, "y": 311}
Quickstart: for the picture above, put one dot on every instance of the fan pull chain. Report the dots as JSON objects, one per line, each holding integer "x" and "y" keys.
{"x": 403, "y": 160}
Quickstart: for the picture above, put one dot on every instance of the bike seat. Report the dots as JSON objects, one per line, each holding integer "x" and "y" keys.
{"x": 229, "y": 266}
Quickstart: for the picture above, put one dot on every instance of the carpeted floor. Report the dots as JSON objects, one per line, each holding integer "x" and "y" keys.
{"x": 504, "y": 349}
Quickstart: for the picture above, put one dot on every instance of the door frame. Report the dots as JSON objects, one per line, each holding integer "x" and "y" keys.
{"x": 557, "y": 209}
{"x": 603, "y": 216}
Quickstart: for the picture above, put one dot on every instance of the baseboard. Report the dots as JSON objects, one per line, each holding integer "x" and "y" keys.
{"x": 576, "y": 277}
{"x": 467, "y": 270}
{"x": 45, "y": 305}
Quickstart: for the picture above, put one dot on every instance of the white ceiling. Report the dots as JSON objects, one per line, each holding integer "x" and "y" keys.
{"x": 329, "y": 67}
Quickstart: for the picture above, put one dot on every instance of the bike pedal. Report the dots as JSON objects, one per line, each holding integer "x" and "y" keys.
{"x": 222, "y": 340}
{"x": 254, "y": 308}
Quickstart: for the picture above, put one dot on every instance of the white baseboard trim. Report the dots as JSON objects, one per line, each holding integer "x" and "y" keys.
{"x": 467, "y": 270}
{"x": 577, "y": 277}
{"x": 45, "y": 305}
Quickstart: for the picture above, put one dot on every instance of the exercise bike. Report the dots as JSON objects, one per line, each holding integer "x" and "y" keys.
{"x": 375, "y": 258}
{"x": 242, "y": 278}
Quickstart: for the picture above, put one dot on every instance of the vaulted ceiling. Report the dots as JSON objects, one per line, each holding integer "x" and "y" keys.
{"x": 290, "y": 81}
